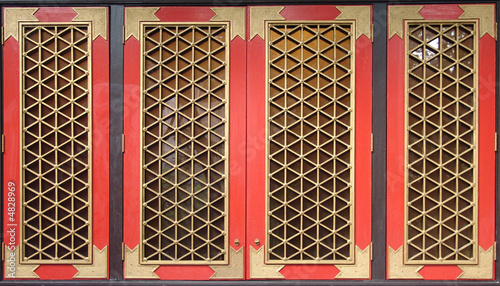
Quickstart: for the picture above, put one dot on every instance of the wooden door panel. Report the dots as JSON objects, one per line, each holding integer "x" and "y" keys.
{"x": 56, "y": 143}
{"x": 190, "y": 101}
{"x": 286, "y": 240}
{"x": 440, "y": 197}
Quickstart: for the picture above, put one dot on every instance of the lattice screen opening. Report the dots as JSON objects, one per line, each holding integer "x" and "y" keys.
{"x": 56, "y": 143}
{"x": 185, "y": 146}
{"x": 310, "y": 148}
{"x": 441, "y": 197}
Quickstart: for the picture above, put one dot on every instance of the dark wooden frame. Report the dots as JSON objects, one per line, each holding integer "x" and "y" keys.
{"x": 378, "y": 156}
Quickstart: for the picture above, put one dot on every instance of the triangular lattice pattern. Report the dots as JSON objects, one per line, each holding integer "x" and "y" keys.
{"x": 184, "y": 213}
{"x": 441, "y": 136}
{"x": 56, "y": 143}
{"x": 310, "y": 147}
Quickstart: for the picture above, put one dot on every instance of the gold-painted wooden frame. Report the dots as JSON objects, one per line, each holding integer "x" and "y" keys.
{"x": 88, "y": 129}
{"x": 362, "y": 17}
{"x": 224, "y": 25}
{"x": 133, "y": 18}
{"x": 98, "y": 268}
{"x": 397, "y": 15}
{"x": 396, "y": 269}
{"x": 474, "y": 256}
{"x": 259, "y": 16}
{"x": 97, "y": 16}
{"x": 235, "y": 15}
{"x": 235, "y": 269}
{"x": 350, "y": 259}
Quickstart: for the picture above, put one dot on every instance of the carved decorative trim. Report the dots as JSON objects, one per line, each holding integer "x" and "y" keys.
{"x": 259, "y": 270}
{"x": 258, "y": 16}
{"x": 235, "y": 269}
{"x": 134, "y": 270}
{"x": 19, "y": 270}
{"x": 482, "y": 270}
{"x": 12, "y": 17}
{"x": 486, "y": 16}
{"x": 98, "y": 268}
{"x": 97, "y": 15}
{"x": 360, "y": 14}
{"x": 99, "y": 18}
{"x": 397, "y": 15}
{"x": 235, "y": 15}
{"x": 398, "y": 270}
{"x": 359, "y": 270}
{"x": 134, "y": 17}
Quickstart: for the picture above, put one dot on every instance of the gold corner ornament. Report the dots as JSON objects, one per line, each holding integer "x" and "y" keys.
{"x": 258, "y": 16}
{"x": 482, "y": 270}
{"x": 13, "y": 269}
{"x": 259, "y": 270}
{"x": 98, "y": 268}
{"x": 397, "y": 15}
{"x": 12, "y": 17}
{"x": 359, "y": 270}
{"x": 235, "y": 269}
{"x": 133, "y": 269}
{"x": 133, "y": 18}
{"x": 361, "y": 15}
{"x": 235, "y": 15}
{"x": 398, "y": 270}
{"x": 97, "y": 15}
{"x": 485, "y": 14}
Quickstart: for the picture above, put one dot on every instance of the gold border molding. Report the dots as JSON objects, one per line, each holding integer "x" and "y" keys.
{"x": 98, "y": 268}
{"x": 133, "y": 269}
{"x": 133, "y": 18}
{"x": 99, "y": 18}
{"x": 258, "y": 269}
{"x": 235, "y": 15}
{"x": 258, "y": 16}
{"x": 482, "y": 270}
{"x": 398, "y": 270}
{"x": 12, "y": 17}
{"x": 235, "y": 269}
{"x": 485, "y": 14}
{"x": 397, "y": 15}
{"x": 361, "y": 15}
{"x": 359, "y": 270}
{"x": 20, "y": 270}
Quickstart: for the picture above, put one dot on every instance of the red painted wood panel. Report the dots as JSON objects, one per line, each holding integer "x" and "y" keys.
{"x": 486, "y": 148}
{"x": 185, "y": 14}
{"x": 395, "y": 142}
{"x": 363, "y": 130}
{"x": 441, "y": 12}
{"x": 310, "y": 13}
{"x": 11, "y": 159}
{"x": 256, "y": 140}
{"x": 132, "y": 131}
{"x": 440, "y": 272}
{"x": 64, "y": 14}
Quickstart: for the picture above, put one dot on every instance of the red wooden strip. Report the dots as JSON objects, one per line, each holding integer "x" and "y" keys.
{"x": 441, "y": 12}
{"x": 132, "y": 131}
